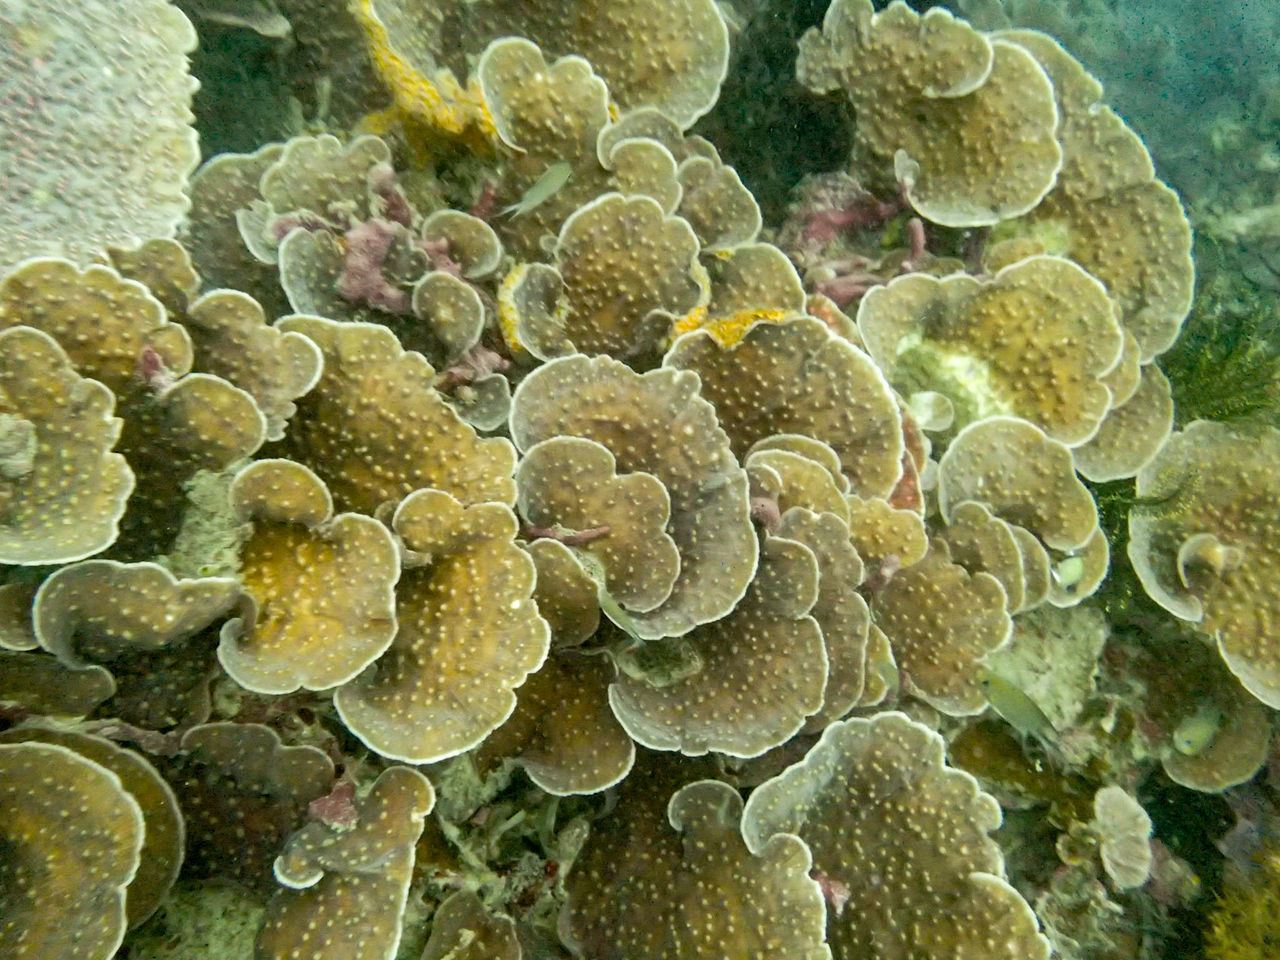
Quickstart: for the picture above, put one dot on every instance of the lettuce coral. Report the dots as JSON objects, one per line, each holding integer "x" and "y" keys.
{"x": 486, "y": 424}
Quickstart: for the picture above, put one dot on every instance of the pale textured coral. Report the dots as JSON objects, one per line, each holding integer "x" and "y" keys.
{"x": 95, "y": 136}
{"x": 1021, "y": 476}
{"x": 102, "y": 609}
{"x": 568, "y": 149}
{"x": 571, "y": 484}
{"x": 63, "y": 498}
{"x": 711, "y": 195}
{"x": 41, "y": 684}
{"x": 375, "y": 429}
{"x": 642, "y": 167}
{"x": 669, "y": 54}
{"x": 64, "y": 877}
{"x": 199, "y": 422}
{"x": 231, "y": 339}
{"x": 530, "y": 311}
{"x": 698, "y": 895}
{"x": 550, "y": 113}
{"x": 796, "y": 377}
{"x": 753, "y": 675}
{"x": 1205, "y": 543}
{"x": 1123, "y": 829}
{"x": 792, "y": 480}
{"x": 941, "y": 621}
{"x": 319, "y": 586}
{"x": 907, "y": 836}
{"x": 656, "y": 423}
{"x": 753, "y": 276}
{"x": 880, "y": 671}
{"x": 1034, "y": 342}
{"x": 749, "y": 282}
{"x": 1131, "y": 433}
{"x": 101, "y": 320}
{"x": 1037, "y": 575}
{"x": 334, "y": 219}
{"x": 324, "y": 177}
{"x": 361, "y": 273}
{"x": 469, "y": 633}
{"x": 462, "y": 929}
{"x": 469, "y": 241}
{"x": 809, "y": 448}
{"x": 164, "y": 267}
{"x": 163, "y": 828}
{"x": 1076, "y": 575}
{"x": 968, "y": 122}
{"x": 1107, "y": 211}
{"x": 451, "y": 309}
{"x": 349, "y": 886}
{"x": 721, "y": 210}
{"x": 1124, "y": 377}
{"x": 485, "y": 403}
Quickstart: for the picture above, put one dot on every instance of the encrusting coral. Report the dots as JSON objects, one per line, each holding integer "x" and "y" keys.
{"x": 470, "y": 527}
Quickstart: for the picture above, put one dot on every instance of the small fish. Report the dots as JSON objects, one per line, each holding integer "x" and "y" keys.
{"x": 1015, "y": 707}
{"x": 543, "y": 189}
{"x": 613, "y": 610}
{"x": 1196, "y": 732}
{"x": 1068, "y": 573}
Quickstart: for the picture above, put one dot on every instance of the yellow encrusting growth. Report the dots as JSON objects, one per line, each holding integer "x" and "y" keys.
{"x": 729, "y": 331}
{"x": 440, "y": 102}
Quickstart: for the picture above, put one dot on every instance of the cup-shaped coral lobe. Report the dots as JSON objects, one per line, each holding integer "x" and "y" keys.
{"x": 656, "y": 423}
{"x": 907, "y": 836}
{"x": 64, "y": 877}
{"x": 469, "y": 633}
{"x": 320, "y": 587}
{"x": 1204, "y": 541}
{"x": 62, "y": 488}
{"x": 346, "y": 888}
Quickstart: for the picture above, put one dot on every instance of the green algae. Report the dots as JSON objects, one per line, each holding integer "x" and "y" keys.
{"x": 1226, "y": 364}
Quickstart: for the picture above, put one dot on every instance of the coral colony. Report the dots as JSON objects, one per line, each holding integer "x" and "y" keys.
{"x": 459, "y": 526}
